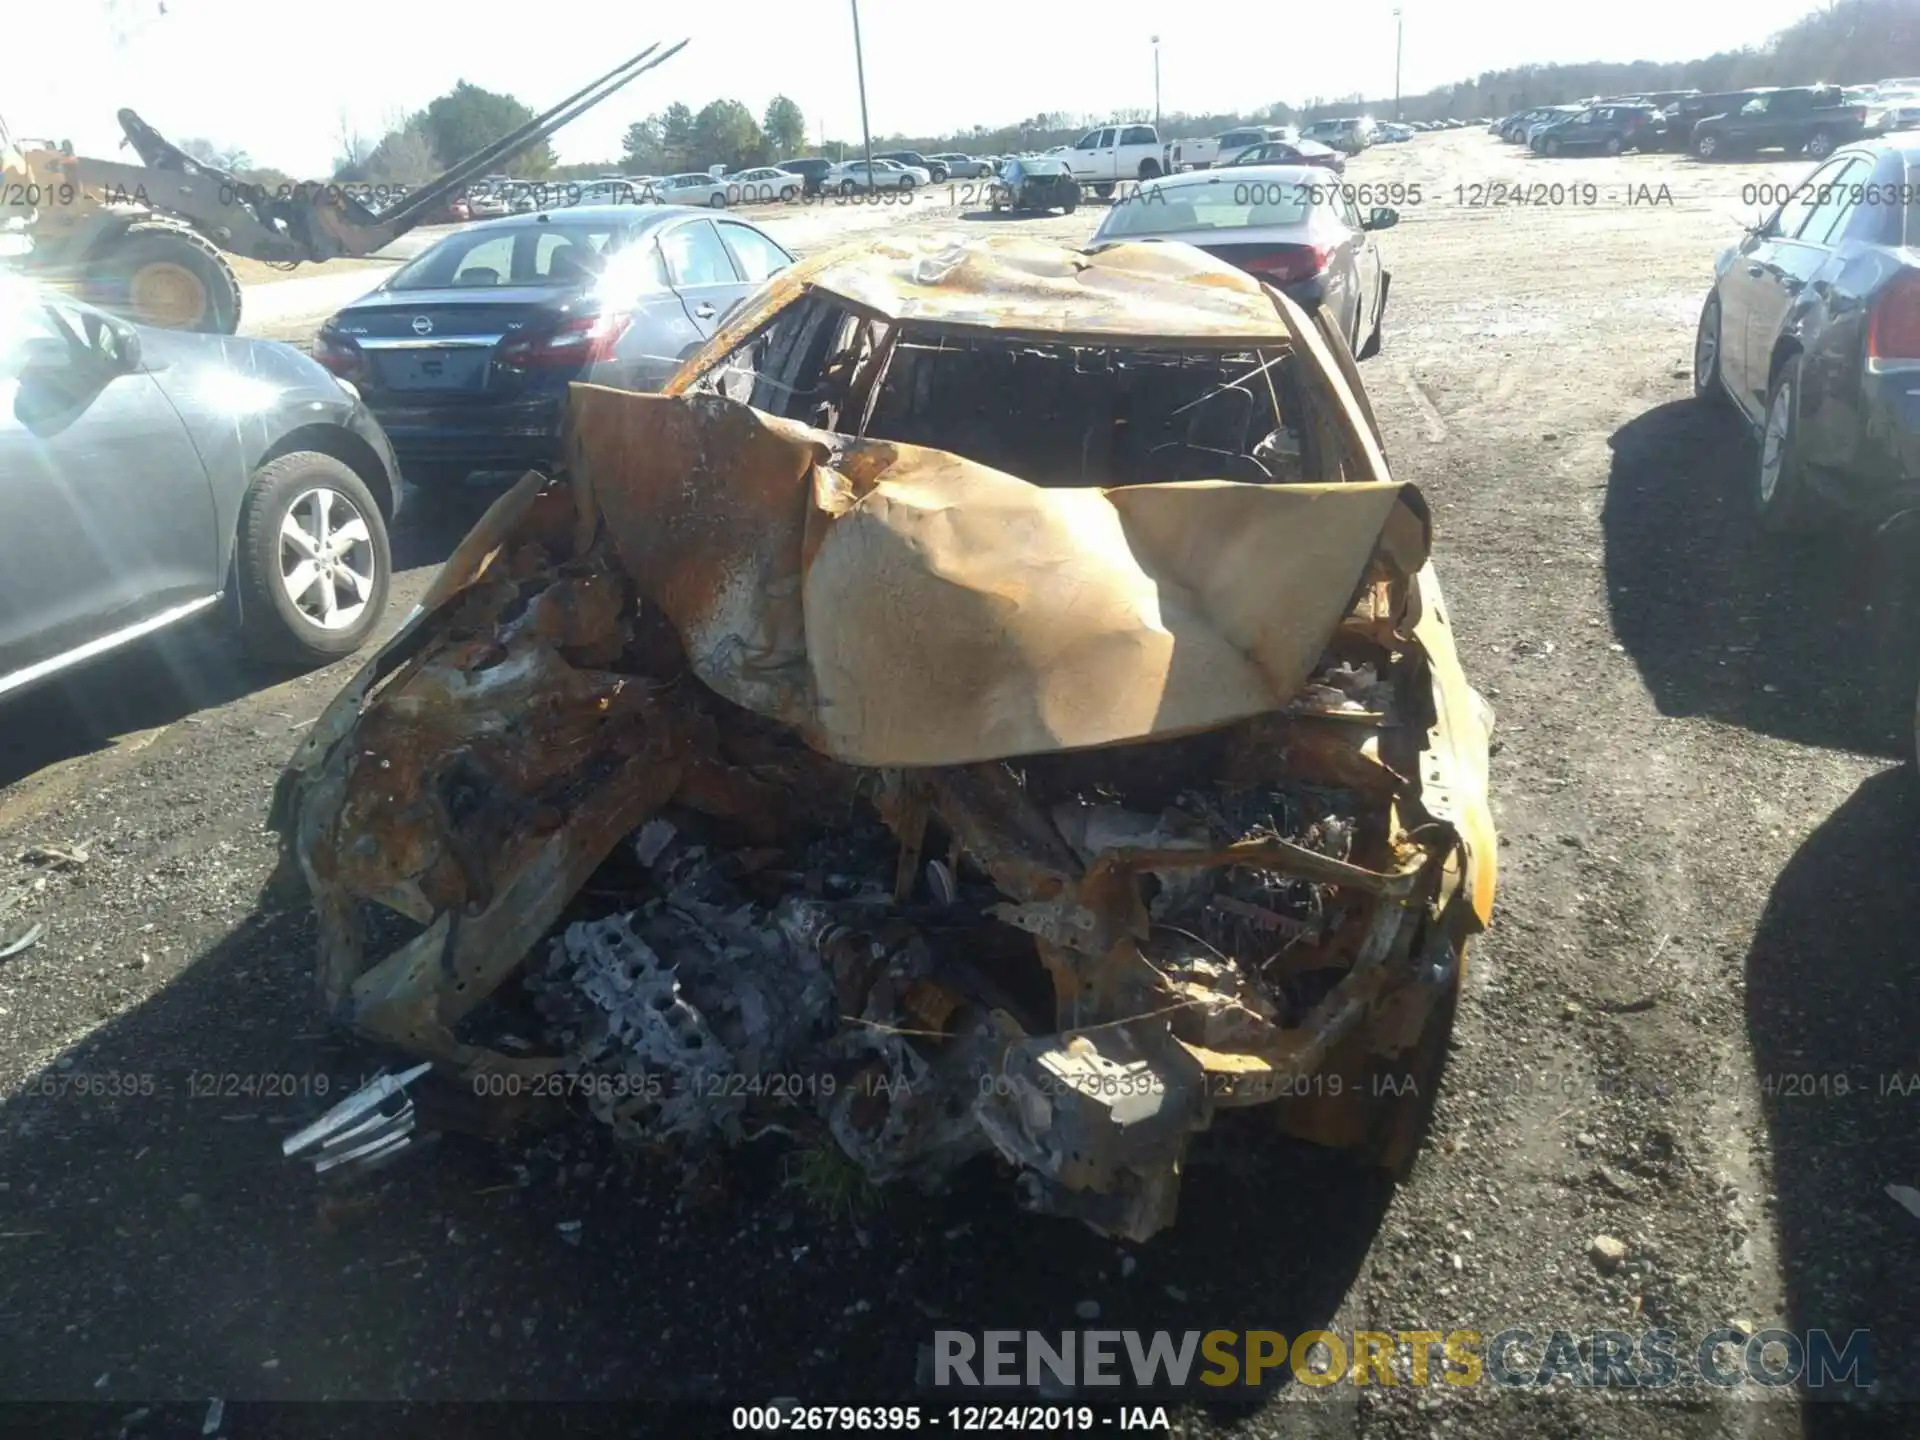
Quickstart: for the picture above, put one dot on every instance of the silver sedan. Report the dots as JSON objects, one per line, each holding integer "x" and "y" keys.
{"x": 1293, "y": 226}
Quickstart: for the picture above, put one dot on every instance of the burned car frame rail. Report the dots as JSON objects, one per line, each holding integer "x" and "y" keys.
{"x": 997, "y": 693}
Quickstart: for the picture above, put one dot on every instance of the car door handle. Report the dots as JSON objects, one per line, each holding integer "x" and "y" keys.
{"x": 703, "y": 311}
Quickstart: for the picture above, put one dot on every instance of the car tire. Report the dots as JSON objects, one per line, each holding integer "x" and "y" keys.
{"x": 717, "y": 201}
{"x": 847, "y": 187}
{"x": 1149, "y": 170}
{"x": 1549, "y": 147}
{"x": 1781, "y": 498}
{"x": 280, "y": 619}
{"x": 1706, "y": 354}
{"x": 1614, "y": 145}
{"x": 1706, "y": 147}
{"x": 788, "y": 195}
{"x": 1819, "y": 144}
{"x": 1072, "y": 200}
{"x": 907, "y": 182}
{"x": 1105, "y": 192}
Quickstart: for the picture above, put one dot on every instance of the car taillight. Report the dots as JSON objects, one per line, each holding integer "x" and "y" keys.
{"x": 581, "y": 340}
{"x": 342, "y": 356}
{"x": 1893, "y": 325}
{"x": 1284, "y": 263}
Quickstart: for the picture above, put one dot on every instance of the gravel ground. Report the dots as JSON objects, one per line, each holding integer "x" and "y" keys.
{"x": 1686, "y": 1031}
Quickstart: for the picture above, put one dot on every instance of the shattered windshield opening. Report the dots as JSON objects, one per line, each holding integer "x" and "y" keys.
{"x": 1067, "y": 414}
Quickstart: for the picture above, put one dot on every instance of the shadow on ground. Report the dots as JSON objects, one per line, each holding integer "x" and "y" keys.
{"x": 158, "y": 1240}
{"x": 1778, "y": 637}
{"x": 1832, "y": 1016}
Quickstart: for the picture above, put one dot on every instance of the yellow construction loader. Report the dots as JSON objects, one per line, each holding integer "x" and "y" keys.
{"x": 147, "y": 240}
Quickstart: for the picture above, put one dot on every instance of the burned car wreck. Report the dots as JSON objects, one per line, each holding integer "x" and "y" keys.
{"x": 995, "y": 702}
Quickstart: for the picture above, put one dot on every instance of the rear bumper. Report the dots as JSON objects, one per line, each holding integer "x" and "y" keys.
{"x": 1884, "y": 478}
{"x": 506, "y": 436}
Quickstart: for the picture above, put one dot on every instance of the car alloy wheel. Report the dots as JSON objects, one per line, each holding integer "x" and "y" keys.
{"x": 846, "y": 187}
{"x": 1780, "y": 488}
{"x": 1614, "y": 145}
{"x": 717, "y": 201}
{"x": 327, "y": 560}
{"x": 1706, "y": 351}
{"x": 1705, "y": 146}
{"x": 311, "y": 560}
{"x": 1820, "y": 146}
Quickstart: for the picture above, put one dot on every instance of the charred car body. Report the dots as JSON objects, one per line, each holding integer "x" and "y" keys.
{"x": 999, "y": 682}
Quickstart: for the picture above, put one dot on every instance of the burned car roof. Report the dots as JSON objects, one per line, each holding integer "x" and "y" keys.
{"x": 1174, "y": 293}
{"x": 1033, "y": 817}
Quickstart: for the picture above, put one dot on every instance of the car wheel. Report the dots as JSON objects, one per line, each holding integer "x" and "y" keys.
{"x": 1071, "y": 201}
{"x": 1706, "y": 353}
{"x": 1549, "y": 147}
{"x": 1615, "y": 145}
{"x": 312, "y": 560}
{"x": 1705, "y": 147}
{"x": 717, "y": 201}
{"x": 1105, "y": 192}
{"x": 1149, "y": 169}
{"x": 1780, "y": 485}
{"x": 1819, "y": 145}
{"x": 846, "y": 187}
{"x": 907, "y": 182}
{"x": 787, "y": 195}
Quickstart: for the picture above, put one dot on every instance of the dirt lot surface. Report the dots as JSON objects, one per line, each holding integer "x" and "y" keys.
{"x": 1680, "y": 1033}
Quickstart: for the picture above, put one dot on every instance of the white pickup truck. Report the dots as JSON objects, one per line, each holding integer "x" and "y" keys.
{"x": 1112, "y": 153}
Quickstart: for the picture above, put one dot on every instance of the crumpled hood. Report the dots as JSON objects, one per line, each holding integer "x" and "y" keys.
{"x": 904, "y": 606}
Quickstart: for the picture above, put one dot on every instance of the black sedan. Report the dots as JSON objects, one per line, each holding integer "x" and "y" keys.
{"x": 153, "y": 475}
{"x": 465, "y": 353}
{"x": 1604, "y": 129}
{"x": 1812, "y": 329}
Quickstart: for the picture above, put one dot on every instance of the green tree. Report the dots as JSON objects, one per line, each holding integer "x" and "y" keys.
{"x": 676, "y": 138}
{"x": 468, "y": 118}
{"x": 785, "y": 128}
{"x": 641, "y": 150}
{"x": 725, "y": 133}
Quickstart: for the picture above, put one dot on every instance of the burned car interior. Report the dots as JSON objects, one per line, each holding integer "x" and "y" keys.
{"x": 928, "y": 732}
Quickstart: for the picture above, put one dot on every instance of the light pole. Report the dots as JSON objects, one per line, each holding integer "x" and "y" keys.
{"x": 1397, "y": 33}
{"x": 860, "y": 68}
{"x": 1156, "y": 82}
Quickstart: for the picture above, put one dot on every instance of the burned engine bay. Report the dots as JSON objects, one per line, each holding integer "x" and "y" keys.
{"x": 769, "y": 779}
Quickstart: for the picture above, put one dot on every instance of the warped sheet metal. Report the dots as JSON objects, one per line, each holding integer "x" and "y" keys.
{"x": 904, "y": 606}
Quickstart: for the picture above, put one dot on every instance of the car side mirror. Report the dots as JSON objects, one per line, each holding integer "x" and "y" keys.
{"x": 35, "y": 355}
{"x": 113, "y": 344}
{"x": 1384, "y": 217}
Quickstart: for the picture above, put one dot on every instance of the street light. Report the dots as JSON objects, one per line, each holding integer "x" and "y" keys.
{"x": 1156, "y": 82}
{"x": 860, "y": 68}
{"x": 1397, "y": 23}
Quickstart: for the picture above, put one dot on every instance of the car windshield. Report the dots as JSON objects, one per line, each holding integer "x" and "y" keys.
{"x": 545, "y": 254}
{"x": 1211, "y": 204}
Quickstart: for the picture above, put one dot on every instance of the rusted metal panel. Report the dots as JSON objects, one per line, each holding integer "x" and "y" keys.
{"x": 1185, "y": 789}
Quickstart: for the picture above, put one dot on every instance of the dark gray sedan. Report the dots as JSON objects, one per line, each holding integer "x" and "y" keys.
{"x": 1812, "y": 331}
{"x": 466, "y": 352}
{"x": 150, "y": 475}
{"x": 1293, "y": 226}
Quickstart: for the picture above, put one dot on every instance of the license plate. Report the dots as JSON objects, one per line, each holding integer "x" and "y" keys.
{"x": 434, "y": 369}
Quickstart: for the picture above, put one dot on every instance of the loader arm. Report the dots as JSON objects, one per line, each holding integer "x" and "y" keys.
{"x": 311, "y": 222}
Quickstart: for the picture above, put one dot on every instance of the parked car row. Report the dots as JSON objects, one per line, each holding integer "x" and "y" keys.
{"x": 1809, "y": 119}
